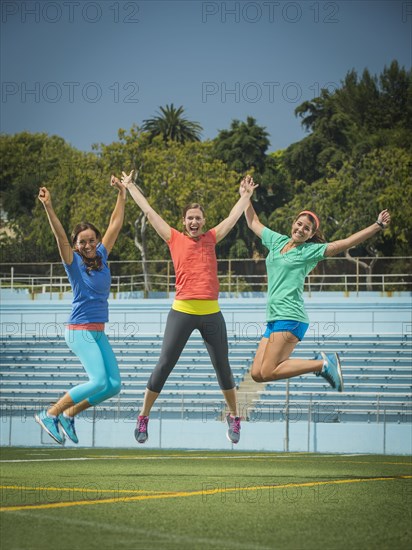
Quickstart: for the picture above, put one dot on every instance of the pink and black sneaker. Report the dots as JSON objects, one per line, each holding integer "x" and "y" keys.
{"x": 233, "y": 432}
{"x": 140, "y": 432}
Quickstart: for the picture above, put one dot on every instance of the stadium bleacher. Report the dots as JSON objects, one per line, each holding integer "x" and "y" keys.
{"x": 377, "y": 378}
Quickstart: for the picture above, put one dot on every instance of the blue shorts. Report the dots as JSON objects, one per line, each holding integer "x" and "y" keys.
{"x": 297, "y": 328}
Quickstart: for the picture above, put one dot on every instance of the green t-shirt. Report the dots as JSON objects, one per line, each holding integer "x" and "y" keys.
{"x": 286, "y": 275}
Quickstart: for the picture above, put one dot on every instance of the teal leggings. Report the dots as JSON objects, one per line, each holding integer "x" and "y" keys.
{"x": 96, "y": 355}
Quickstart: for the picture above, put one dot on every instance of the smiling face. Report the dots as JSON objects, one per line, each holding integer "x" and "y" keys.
{"x": 193, "y": 222}
{"x": 302, "y": 229}
{"x": 86, "y": 243}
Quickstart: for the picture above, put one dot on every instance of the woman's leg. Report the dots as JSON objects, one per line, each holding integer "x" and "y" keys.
{"x": 272, "y": 359}
{"x": 73, "y": 409}
{"x": 85, "y": 347}
{"x": 66, "y": 402}
{"x": 112, "y": 374}
{"x": 256, "y": 369}
{"x": 179, "y": 327}
{"x": 231, "y": 401}
{"x": 84, "y": 344}
{"x": 213, "y": 330}
{"x": 148, "y": 402}
{"x": 113, "y": 382}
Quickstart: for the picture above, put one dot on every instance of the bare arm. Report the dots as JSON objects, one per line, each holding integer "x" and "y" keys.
{"x": 117, "y": 217}
{"x": 246, "y": 189}
{"x": 253, "y": 220}
{"x": 344, "y": 244}
{"x": 160, "y": 226}
{"x": 65, "y": 250}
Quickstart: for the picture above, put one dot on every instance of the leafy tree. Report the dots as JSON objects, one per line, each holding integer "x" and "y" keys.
{"x": 243, "y": 147}
{"x": 28, "y": 160}
{"x": 171, "y": 175}
{"x": 361, "y": 115}
{"x": 354, "y": 197}
{"x": 171, "y": 125}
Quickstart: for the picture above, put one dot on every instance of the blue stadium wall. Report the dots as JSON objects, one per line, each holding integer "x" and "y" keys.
{"x": 372, "y": 313}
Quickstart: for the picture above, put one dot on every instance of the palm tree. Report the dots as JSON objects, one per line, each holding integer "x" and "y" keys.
{"x": 172, "y": 125}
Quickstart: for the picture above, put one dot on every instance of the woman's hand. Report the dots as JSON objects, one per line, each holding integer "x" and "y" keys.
{"x": 127, "y": 179}
{"x": 44, "y": 196}
{"x": 384, "y": 218}
{"x": 115, "y": 182}
{"x": 247, "y": 186}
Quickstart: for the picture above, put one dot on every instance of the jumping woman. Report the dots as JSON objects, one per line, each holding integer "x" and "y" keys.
{"x": 289, "y": 261}
{"x": 85, "y": 261}
{"x": 196, "y": 300}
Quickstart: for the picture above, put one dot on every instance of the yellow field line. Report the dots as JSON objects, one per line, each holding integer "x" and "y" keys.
{"x": 181, "y": 494}
{"x": 75, "y": 489}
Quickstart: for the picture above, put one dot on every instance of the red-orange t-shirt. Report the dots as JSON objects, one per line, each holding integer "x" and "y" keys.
{"x": 195, "y": 266}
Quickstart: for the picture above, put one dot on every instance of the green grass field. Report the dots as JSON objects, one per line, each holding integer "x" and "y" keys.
{"x": 143, "y": 499}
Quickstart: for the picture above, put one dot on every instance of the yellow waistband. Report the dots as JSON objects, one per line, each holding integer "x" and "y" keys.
{"x": 196, "y": 307}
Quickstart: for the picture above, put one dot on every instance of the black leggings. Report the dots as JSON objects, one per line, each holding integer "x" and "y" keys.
{"x": 179, "y": 327}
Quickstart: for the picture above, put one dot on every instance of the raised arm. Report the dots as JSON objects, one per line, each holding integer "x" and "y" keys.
{"x": 117, "y": 217}
{"x": 65, "y": 250}
{"x": 160, "y": 226}
{"x": 336, "y": 247}
{"x": 246, "y": 189}
{"x": 253, "y": 220}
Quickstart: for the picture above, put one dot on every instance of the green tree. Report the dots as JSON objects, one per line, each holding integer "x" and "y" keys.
{"x": 171, "y": 125}
{"x": 28, "y": 161}
{"x": 171, "y": 175}
{"x": 243, "y": 147}
{"x": 361, "y": 115}
{"x": 353, "y": 198}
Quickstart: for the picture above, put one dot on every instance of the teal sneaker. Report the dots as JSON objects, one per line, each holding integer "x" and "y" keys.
{"x": 50, "y": 425}
{"x": 67, "y": 425}
{"x": 233, "y": 432}
{"x": 141, "y": 435}
{"x": 331, "y": 370}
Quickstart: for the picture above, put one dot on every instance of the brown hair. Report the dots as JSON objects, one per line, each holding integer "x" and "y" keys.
{"x": 193, "y": 205}
{"x": 318, "y": 236}
{"x": 92, "y": 264}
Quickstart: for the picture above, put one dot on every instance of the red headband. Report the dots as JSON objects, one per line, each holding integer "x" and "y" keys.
{"x": 314, "y": 216}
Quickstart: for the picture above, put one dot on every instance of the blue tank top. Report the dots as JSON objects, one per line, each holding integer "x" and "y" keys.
{"x": 90, "y": 290}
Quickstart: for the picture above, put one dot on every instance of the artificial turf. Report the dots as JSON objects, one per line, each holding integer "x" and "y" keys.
{"x": 144, "y": 499}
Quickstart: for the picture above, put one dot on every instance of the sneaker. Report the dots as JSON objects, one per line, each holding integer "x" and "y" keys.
{"x": 51, "y": 425}
{"x": 331, "y": 370}
{"x": 233, "y": 432}
{"x": 67, "y": 425}
{"x": 140, "y": 432}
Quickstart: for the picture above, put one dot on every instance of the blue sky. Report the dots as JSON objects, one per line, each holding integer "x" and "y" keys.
{"x": 84, "y": 69}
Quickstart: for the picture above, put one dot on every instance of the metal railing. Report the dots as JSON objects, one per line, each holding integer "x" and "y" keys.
{"x": 235, "y": 276}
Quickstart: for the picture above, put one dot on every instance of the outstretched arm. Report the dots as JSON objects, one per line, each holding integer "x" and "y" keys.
{"x": 65, "y": 250}
{"x": 252, "y": 220}
{"x": 336, "y": 247}
{"x": 246, "y": 189}
{"x": 160, "y": 226}
{"x": 117, "y": 217}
